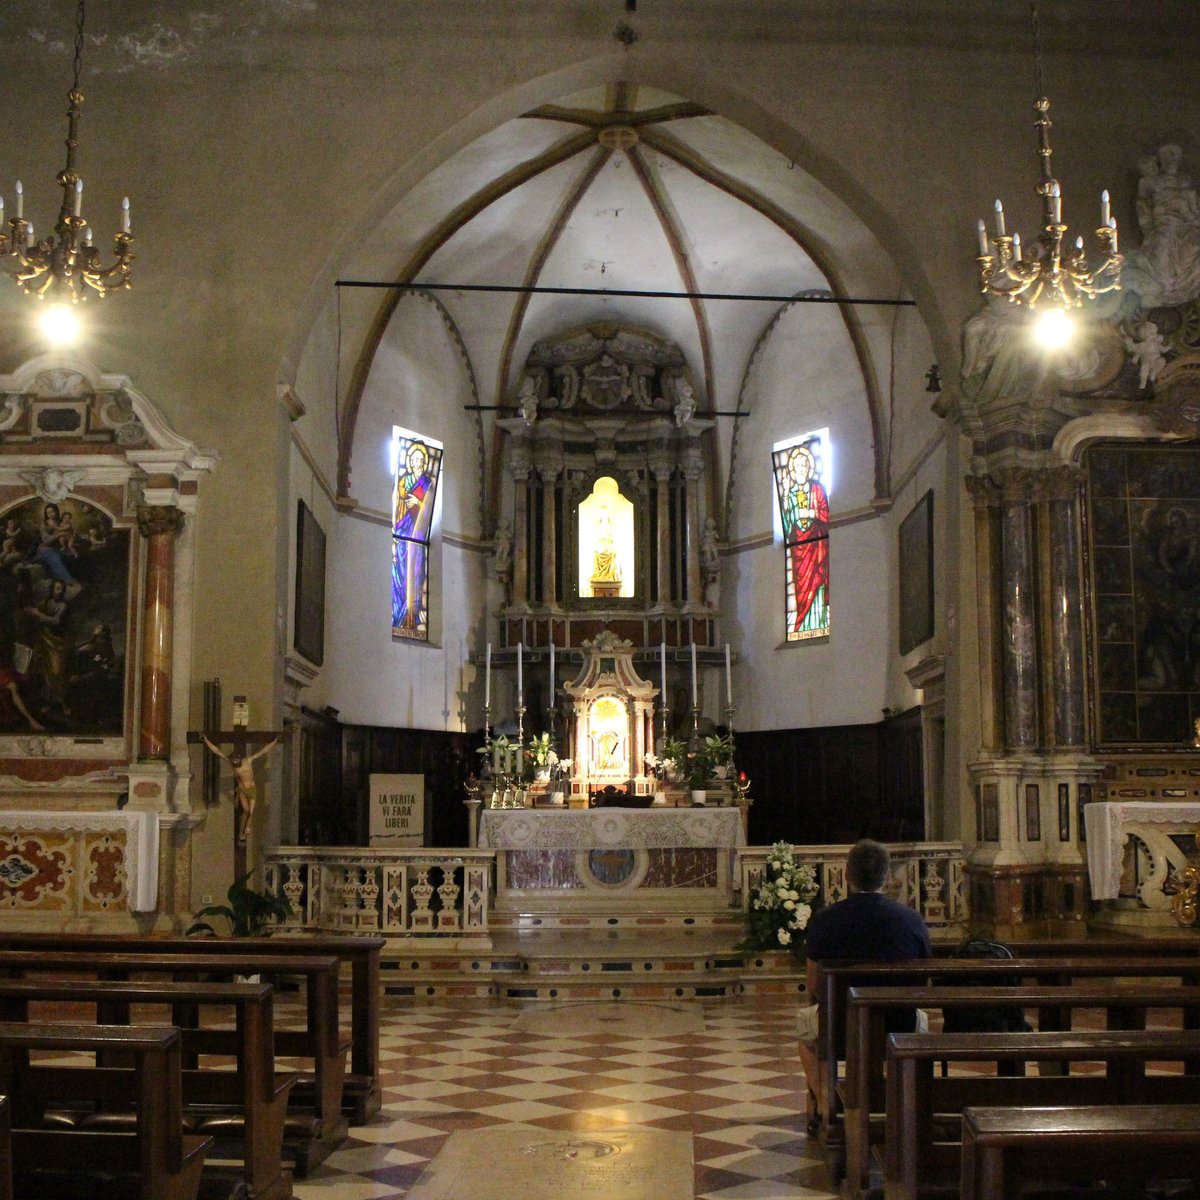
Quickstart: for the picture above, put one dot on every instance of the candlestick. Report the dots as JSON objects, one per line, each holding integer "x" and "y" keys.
{"x": 520, "y": 674}
{"x": 487, "y": 679}
{"x": 694, "y": 693}
{"x": 728, "y": 679}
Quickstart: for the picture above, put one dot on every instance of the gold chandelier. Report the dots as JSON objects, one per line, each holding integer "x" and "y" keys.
{"x": 1043, "y": 272}
{"x": 65, "y": 264}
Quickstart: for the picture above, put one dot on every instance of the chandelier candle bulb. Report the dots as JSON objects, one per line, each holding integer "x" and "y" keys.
{"x": 981, "y": 228}
{"x": 1016, "y": 243}
{"x": 1105, "y": 208}
{"x": 999, "y": 220}
{"x": 125, "y": 215}
{"x": 1056, "y": 203}
{"x": 1112, "y": 224}
{"x": 20, "y": 200}
{"x": 78, "y": 196}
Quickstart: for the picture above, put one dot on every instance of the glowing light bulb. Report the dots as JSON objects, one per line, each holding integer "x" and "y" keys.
{"x": 60, "y": 325}
{"x": 1053, "y": 328}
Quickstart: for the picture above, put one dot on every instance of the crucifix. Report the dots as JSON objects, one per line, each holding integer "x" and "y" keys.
{"x": 241, "y": 761}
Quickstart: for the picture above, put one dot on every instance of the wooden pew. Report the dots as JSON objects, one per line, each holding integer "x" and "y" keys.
{"x": 1124, "y": 1144}
{"x": 253, "y": 1090}
{"x": 362, "y": 1095}
{"x": 920, "y": 1162}
{"x": 1113, "y": 947}
{"x": 834, "y": 979}
{"x": 307, "y": 1143}
{"x": 166, "y": 1162}
{"x": 863, "y": 1089}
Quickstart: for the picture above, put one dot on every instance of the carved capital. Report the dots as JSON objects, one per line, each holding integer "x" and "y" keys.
{"x": 159, "y": 518}
{"x": 1058, "y": 483}
{"x": 983, "y": 491}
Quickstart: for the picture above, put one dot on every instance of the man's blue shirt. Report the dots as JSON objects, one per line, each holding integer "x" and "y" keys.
{"x": 869, "y": 927}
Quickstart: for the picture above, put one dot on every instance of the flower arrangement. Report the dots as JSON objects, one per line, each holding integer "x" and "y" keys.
{"x": 781, "y": 905}
{"x": 668, "y": 764}
{"x": 538, "y": 752}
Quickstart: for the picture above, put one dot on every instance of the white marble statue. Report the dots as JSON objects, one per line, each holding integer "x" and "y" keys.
{"x": 685, "y": 402}
{"x": 1165, "y": 270}
{"x": 527, "y": 400}
{"x": 1146, "y": 347}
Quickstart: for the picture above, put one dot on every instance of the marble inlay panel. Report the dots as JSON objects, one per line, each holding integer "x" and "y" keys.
{"x": 541, "y": 869}
{"x": 517, "y": 1162}
{"x": 682, "y": 867}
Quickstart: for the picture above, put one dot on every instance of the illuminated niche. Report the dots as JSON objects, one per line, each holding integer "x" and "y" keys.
{"x": 606, "y": 545}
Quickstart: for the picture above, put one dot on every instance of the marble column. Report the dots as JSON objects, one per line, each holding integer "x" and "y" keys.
{"x": 693, "y": 464}
{"x": 521, "y": 469}
{"x": 1019, "y": 611}
{"x": 1064, "y": 597}
{"x": 548, "y": 473}
{"x": 662, "y": 479}
{"x": 159, "y": 525}
{"x": 986, "y": 497}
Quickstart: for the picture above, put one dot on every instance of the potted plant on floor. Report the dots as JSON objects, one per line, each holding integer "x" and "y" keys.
{"x": 250, "y": 913}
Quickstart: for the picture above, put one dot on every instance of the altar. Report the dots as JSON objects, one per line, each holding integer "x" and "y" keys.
{"x": 1131, "y": 848}
{"x": 680, "y": 860}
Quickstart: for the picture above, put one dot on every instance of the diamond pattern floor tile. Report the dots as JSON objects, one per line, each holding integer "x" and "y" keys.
{"x": 731, "y": 1081}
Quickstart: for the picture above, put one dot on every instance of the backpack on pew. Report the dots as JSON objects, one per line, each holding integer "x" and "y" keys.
{"x": 1003, "y": 1018}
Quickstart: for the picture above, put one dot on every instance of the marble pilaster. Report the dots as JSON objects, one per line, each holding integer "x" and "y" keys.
{"x": 159, "y": 525}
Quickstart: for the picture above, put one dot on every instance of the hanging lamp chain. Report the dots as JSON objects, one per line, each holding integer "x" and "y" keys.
{"x": 79, "y": 18}
{"x": 1035, "y": 22}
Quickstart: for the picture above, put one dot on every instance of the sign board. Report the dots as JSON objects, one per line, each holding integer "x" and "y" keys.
{"x": 397, "y": 810}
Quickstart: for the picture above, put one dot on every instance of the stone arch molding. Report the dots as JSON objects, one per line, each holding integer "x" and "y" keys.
{"x": 70, "y": 432}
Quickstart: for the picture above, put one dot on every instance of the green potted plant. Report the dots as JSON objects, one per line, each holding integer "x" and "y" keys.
{"x": 250, "y": 913}
{"x": 699, "y": 771}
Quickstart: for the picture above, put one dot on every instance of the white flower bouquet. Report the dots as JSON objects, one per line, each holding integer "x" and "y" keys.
{"x": 782, "y": 904}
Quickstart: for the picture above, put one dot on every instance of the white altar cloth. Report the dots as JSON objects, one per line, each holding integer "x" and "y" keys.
{"x": 630, "y": 828}
{"x": 141, "y": 842}
{"x": 1107, "y": 830}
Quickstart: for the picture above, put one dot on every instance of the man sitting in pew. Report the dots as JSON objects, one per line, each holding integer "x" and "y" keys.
{"x": 867, "y": 927}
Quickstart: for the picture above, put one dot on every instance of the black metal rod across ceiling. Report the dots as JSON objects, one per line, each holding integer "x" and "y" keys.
{"x": 535, "y": 290}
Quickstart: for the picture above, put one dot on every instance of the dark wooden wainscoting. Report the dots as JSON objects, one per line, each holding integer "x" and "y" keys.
{"x": 836, "y": 784}
{"x": 335, "y": 765}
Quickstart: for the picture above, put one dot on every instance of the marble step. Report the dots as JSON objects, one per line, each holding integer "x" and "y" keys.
{"x": 551, "y": 970}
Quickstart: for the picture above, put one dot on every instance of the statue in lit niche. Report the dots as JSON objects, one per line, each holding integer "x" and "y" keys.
{"x": 606, "y": 542}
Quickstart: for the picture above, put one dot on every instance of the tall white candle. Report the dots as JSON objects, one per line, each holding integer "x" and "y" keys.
{"x": 728, "y": 680}
{"x": 520, "y": 674}
{"x": 662, "y": 662}
{"x": 125, "y": 215}
{"x": 694, "y": 692}
{"x": 487, "y": 679}
{"x": 552, "y": 674}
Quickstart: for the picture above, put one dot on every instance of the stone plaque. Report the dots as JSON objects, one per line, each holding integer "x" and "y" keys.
{"x": 397, "y": 810}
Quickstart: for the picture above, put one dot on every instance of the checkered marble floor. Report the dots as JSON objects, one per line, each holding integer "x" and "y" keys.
{"x": 725, "y": 1073}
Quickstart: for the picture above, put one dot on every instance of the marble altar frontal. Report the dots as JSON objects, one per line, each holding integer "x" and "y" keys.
{"x": 524, "y": 1162}
{"x": 612, "y": 858}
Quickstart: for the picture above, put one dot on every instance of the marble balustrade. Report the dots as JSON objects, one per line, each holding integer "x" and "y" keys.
{"x": 449, "y": 894}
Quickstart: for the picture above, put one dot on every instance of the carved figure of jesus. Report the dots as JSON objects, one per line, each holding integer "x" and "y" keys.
{"x": 245, "y": 788}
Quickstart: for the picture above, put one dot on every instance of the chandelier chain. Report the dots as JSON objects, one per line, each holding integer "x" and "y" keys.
{"x": 79, "y": 15}
{"x": 1035, "y": 21}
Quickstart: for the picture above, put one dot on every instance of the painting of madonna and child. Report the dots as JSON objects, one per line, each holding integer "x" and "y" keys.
{"x": 64, "y": 573}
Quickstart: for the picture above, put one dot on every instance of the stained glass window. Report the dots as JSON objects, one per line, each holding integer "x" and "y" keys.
{"x": 801, "y": 487}
{"x": 418, "y": 463}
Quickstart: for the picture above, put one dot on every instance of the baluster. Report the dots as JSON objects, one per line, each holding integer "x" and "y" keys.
{"x": 369, "y": 894}
{"x": 475, "y": 880}
{"x": 448, "y": 893}
{"x": 422, "y": 893}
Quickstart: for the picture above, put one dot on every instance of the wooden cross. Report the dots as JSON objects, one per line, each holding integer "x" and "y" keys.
{"x": 241, "y": 761}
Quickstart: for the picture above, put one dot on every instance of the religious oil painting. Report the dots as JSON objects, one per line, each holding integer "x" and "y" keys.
{"x": 802, "y": 490}
{"x": 916, "y": 575}
{"x": 64, "y": 600}
{"x": 1144, "y": 568}
{"x": 309, "y": 635}
{"x": 418, "y": 466}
